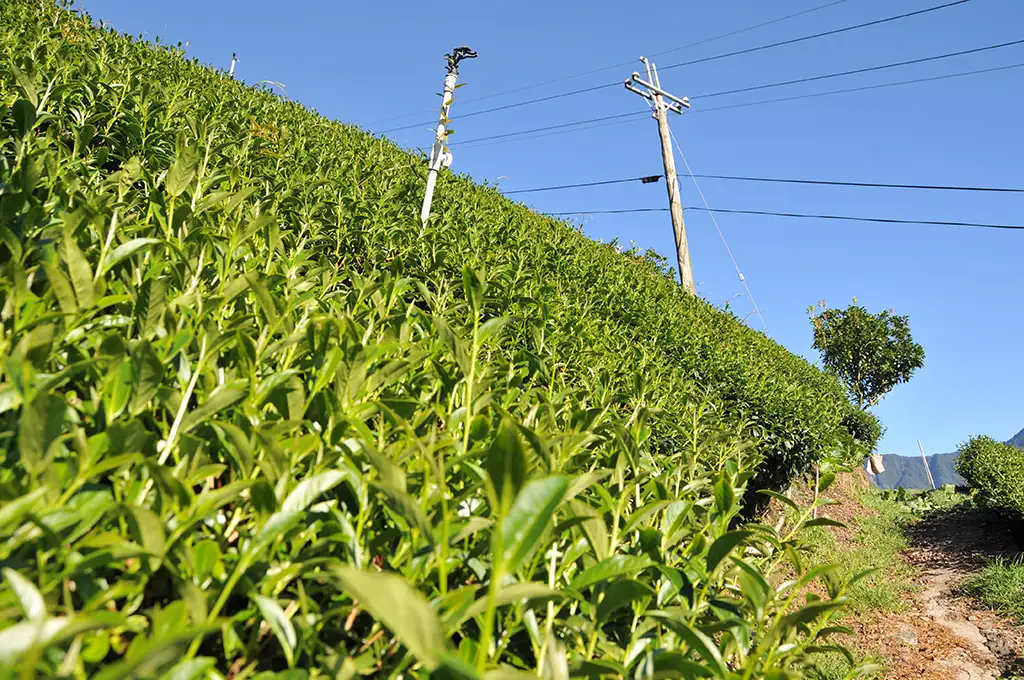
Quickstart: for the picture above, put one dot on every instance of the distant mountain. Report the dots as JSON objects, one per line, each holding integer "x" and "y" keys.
{"x": 908, "y": 471}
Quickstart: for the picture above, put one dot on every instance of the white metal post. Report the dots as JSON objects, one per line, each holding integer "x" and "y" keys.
{"x": 234, "y": 60}
{"x": 924, "y": 459}
{"x": 439, "y": 156}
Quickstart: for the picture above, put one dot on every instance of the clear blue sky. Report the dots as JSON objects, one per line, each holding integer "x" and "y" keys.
{"x": 962, "y": 288}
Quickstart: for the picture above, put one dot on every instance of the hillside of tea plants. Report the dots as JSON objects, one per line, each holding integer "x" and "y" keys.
{"x": 257, "y": 422}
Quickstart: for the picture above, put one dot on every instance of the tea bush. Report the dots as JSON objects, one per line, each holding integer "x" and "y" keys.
{"x": 258, "y": 422}
{"x": 996, "y": 471}
{"x": 863, "y": 426}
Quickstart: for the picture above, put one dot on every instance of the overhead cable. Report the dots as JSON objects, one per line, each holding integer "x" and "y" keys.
{"x": 768, "y": 213}
{"x": 857, "y": 71}
{"x": 721, "y": 234}
{"x": 782, "y": 180}
{"x": 814, "y": 36}
{"x": 627, "y": 63}
{"x": 528, "y": 134}
{"x": 702, "y": 60}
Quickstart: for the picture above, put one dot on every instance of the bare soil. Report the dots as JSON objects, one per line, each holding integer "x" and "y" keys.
{"x": 943, "y": 635}
{"x": 949, "y": 547}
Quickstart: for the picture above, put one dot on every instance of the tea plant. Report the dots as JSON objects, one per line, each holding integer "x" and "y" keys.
{"x": 996, "y": 471}
{"x": 257, "y": 422}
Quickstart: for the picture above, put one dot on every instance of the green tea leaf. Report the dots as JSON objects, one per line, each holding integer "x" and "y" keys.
{"x": 755, "y": 587}
{"x": 24, "y": 116}
{"x": 191, "y": 669}
{"x": 585, "y": 481}
{"x": 530, "y": 514}
{"x": 308, "y": 490}
{"x": 19, "y": 638}
{"x": 506, "y": 462}
{"x": 12, "y": 511}
{"x": 780, "y": 498}
{"x": 28, "y": 87}
{"x": 724, "y": 545}
{"x": 126, "y": 250}
{"x": 205, "y": 556}
{"x": 262, "y": 494}
{"x": 118, "y": 390}
{"x": 516, "y": 592}
{"x": 182, "y": 171}
{"x": 61, "y": 289}
{"x": 221, "y": 398}
{"x": 279, "y": 623}
{"x": 148, "y": 372}
{"x": 676, "y": 665}
{"x": 621, "y": 593}
{"x": 149, "y": 533}
{"x": 149, "y": 308}
{"x": 611, "y": 568}
{"x": 29, "y": 597}
{"x": 695, "y": 640}
{"x": 492, "y": 327}
{"x": 152, "y": 656}
{"x": 395, "y": 604}
{"x": 278, "y": 525}
{"x": 42, "y": 422}
{"x": 81, "y": 274}
{"x": 824, "y": 522}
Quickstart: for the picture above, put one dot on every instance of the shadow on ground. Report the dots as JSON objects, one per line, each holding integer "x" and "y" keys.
{"x": 966, "y": 538}
{"x": 963, "y": 540}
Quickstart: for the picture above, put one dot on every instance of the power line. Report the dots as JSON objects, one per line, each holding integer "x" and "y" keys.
{"x": 826, "y": 76}
{"x": 482, "y": 144}
{"x": 721, "y": 234}
{"x": 649, "y": 179}
{"x": 814, "y": 36}
{"x": 868, "y": 69}
{"x": 527, "y": 133}
{"x": 702, "y": 60}
{"x": 629, "y": 114}
{"x": 783, "y": 180}
{"x": 862, "y": 88}
{"x": 552, "y": 127}
{"x": 883, "y": 185}
{"x": 736, "y": 32}
{"x": 627, "y": 63}
{"x": 768, "y": 213}
{"x": 518, "y": 104}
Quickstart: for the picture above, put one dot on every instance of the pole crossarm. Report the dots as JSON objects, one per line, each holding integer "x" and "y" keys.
{"x": 680, "y": 104}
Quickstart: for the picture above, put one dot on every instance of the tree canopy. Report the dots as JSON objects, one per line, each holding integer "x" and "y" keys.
{"x": 871, "y": 353}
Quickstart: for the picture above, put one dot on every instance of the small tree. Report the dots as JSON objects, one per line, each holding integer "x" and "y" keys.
{"x": 871, "y": 353}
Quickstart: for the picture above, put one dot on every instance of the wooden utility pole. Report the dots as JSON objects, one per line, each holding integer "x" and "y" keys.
{"x": 924, "y": 459}
{"x": 658, "y": 97}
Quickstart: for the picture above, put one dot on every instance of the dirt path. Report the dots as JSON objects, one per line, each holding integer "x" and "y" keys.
{"x": 947, "y": 636}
